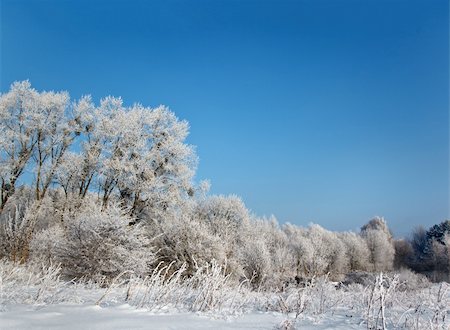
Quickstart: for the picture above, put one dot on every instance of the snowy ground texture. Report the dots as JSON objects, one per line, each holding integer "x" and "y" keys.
{"x": 128, "y": 317}
{"x": 31, "y": 299}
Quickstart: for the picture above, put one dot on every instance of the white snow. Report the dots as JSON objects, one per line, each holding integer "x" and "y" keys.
{"x": 66, "y": 316}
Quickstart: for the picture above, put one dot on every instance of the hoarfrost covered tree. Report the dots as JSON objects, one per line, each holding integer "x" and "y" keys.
{"x": 270, "y": 261}
{"x": 35, "y": 128}
{"x": 329, "y": 248}
{"x": 439, "y": 232}
{"x": 419, "y": 244}
{"x": 378, "y": 223}
{"x": 437, "y": 250}
{"x": 441, "y": 258}
{"x": 317, "y": 250}
{"x": 183, "y": 240}
{"x": 77, "y": 172}
{"x": 430, "y": 251}
{"x": 356, "y": 250}
{"x": 255, "y": 259}
{"x": 226, "y": 217}
{"x": 380, "y": 244}
{"x": 300, "y": 246}
{"x": 134, "y": 154}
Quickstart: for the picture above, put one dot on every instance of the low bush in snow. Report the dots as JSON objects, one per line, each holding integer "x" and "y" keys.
{"x": 95, "y": 243}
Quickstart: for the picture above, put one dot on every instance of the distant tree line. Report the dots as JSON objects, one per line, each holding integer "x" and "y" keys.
{"x": 103, "y": 189}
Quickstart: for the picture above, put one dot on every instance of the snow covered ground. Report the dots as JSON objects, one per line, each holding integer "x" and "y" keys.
{"x": 127, "y": 317}
{"x": 31, "y": 299}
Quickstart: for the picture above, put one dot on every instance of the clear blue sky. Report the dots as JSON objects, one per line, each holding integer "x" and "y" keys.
{"x": 316, "y": 111}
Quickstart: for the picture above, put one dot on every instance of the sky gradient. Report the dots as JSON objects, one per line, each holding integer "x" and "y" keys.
{"x": 319, "y": 111}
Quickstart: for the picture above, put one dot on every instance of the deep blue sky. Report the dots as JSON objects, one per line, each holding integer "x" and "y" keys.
{"x": 316, "y": 111}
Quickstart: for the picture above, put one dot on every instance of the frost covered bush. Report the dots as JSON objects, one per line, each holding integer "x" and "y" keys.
{"x": 359, "y": 277}
{"x": 224, "y": 215}
{"x": 356, "y": 251}
{"x": 186, "y": 241}
{"x": 226, "y": 218}
{"x": 282, "y": 261}
{"x": 267, "y": 261}
{"x": 96, "y": 243}
{"x": 317, "y": 251}
{"x": 256, "y": 262}
{"x": 16, "y": 232}
{"x": 45, "y": 245}
{"x": 409, "y": 280}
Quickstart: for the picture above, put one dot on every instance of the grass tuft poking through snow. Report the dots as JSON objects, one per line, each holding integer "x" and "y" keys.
{"x": 36, "y": 297}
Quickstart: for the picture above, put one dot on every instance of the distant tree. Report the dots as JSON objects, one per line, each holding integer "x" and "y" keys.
{"x": 224, "y": 215}
{"x": 437, "y": 251}
{"x": 356, "y": 250}
{"x": 282, "y": 261}
{"x": 419, "y": 242}
{"x": 378, "y": 223}
{"x": 404, "y": 254}
{"x": 439, "y": 232}
{"x": 317, "y": 251}
{"x": 441, "y": 258}
{"x": 379, "y": 241}
{"x": 181, "y": 238}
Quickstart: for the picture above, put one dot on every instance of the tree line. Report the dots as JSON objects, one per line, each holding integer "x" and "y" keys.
{"x": 103, "y": 189}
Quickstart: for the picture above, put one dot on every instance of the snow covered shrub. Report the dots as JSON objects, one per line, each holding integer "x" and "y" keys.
{"x": 359, "y": 277}
{"x": 101, "y": 242}
{"x": 318, "y": 251}
{"x": 380, "y": 296}
{"x": 227, "y": 218}
{"x": 225, "y": 215}
{"x": 16, "y": 232}
{"x": 282, "y": 260}
{"x": 300, "y": 247}
{"x": 428, "y": 308}
{"x": 409, "y": 280}
{"x": 356, "y": 251}
{"x": 381, "y": 249}
{"x": 256, "y": 261}
{"x": 264, "y": 254}
{"x": 185, "y": 241}
{"x": 44, "y": 245}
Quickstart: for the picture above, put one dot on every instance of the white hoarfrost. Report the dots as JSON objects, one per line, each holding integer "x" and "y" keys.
{"x": 33, "y": 297}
